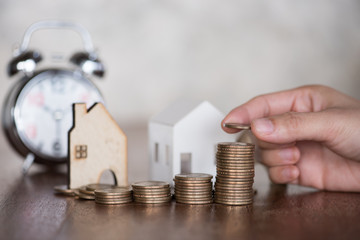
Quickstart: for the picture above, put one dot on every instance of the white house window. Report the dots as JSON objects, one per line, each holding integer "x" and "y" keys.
{"x": 167, "y": 155}
{"x": 185, "y": 163}
{"x": 156, "y": 152}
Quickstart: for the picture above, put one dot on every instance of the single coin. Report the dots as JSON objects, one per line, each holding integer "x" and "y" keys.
{"x": 86, "y": 196}
{"x": 233, "y": 196}
{"x": 194, "y": 202}
{"x": 184, "y": 190}
{"x": 97, "y": 186}
{"x": 192, "y": 181}
{"x": 112, "y": 199}
{"x": 181, "y": 194}
{"x": 235, "y": 171}
{"x": 241, "y": 150}
{"x": 151, "y": 195}
{"x": 150, "y": 184}
{"x": 64, "y": 190}
{"x": 116, "y": 191}
{"x": 152, "y": 190}
{"x": 225, "y": 179}
{"x": 193, "y": 192}
{"x": 232, "y": 192}
{"x": 237, "y": 162}
{"x": 235, "y": 184}
{"x": 235, "y": 155}
{"x": 194, "y": 176}
{"x": 233, "y": 203}
{"x": 235, "y": 167}
{"x": 247, "y": 177}
{"x": 228, "y": 173}
{"x": 167, "y": 192}
{"x": 236, "y": 159}
{"x": 232, "y": 187}
{"x": 246, "y": 146}
{"x": 199, "y": 185}
{"x": 238, "y": 126}
{"x": 234, "y": 144}
{"x": 155, "y": 201}
{"x": 84, "y": 191}
{"x": 114, "y": 202}
{"x": 193, "y": 198}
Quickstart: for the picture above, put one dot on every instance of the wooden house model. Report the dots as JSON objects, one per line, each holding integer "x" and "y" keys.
{"x": 96, "y": 144}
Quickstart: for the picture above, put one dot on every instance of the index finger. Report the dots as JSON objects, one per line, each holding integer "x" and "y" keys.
{"x": 302, "y": 99}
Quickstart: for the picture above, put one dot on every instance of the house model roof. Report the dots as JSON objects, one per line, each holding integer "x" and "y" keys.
{"x": 177, "y": 111}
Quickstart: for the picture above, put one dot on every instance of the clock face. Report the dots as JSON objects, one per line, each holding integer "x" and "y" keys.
{"x": 43, "y": 110}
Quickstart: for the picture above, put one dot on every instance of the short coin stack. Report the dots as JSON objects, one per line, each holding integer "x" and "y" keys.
{"x": 193, "y": 188}
{"x": 151, "y": 192}
{"x": 88, "y": 192}
{"x": 117, "y": 195}
{"x": 235, "y": 173}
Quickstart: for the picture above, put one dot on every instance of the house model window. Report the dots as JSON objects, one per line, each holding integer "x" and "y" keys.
{"x": 80, "y": 151}
{"x": 185, "y": 163}
{"x": 156, "y": 152}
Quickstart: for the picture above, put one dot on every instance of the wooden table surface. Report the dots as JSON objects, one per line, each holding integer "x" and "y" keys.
{"x": 30, "y": 209}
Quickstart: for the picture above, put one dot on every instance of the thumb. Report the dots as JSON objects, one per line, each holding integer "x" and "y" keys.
{"x": 290, "y": 127}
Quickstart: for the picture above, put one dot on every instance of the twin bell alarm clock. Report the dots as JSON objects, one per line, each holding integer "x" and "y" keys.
{"x": 37, "y": 113}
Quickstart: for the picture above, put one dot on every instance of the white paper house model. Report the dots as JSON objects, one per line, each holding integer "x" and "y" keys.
{"x": 183, "y": 139}
{"x": 96, "y": 144}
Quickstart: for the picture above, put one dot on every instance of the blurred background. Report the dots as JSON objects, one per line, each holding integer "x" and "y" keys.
{"x": 226, "y": 52}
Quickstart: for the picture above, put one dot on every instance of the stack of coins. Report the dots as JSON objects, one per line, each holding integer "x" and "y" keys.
{"x": 151, "y": 192}
{"x": 235, "y": 173}
{"x": 110, "y": 196}
{"x": 193, "y": 188}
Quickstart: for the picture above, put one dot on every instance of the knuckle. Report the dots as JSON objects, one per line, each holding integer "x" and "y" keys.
{"x": 292, "y": 121}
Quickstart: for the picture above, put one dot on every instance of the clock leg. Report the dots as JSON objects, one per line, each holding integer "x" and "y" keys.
{"x": 28, "y": 162}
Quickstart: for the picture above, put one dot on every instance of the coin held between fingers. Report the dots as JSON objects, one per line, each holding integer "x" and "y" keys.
{"x": 238, "y": 126}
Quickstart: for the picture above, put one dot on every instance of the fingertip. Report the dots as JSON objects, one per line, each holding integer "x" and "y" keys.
{"x": 228, "y": 119}
{"x": 290, "y": 155}
{"x": 284, "y": 174}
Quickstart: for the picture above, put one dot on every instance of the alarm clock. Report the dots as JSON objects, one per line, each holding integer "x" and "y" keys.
{"x": 37, "y": 113}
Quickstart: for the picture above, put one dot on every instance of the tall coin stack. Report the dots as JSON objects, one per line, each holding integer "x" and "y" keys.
{"x": 151, "y": 192}
{"x": 193, "y": 188}
{"x": 117, "y": 195}
{"x": 235, "y": 173}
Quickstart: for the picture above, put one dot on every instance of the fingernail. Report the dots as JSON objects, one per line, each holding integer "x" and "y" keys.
{"x": 263, "y": 126}
{"x": 289, "y": 173}
{"x": 287, "y": 154}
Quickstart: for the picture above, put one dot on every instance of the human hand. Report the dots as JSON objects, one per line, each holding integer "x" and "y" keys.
{"x": 308, "y": 136}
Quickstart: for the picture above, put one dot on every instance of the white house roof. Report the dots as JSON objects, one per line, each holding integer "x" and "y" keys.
{"x": 177, "y": 111}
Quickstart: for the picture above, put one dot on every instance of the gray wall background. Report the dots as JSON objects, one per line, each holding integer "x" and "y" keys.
{"x": 226, "y": 52}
